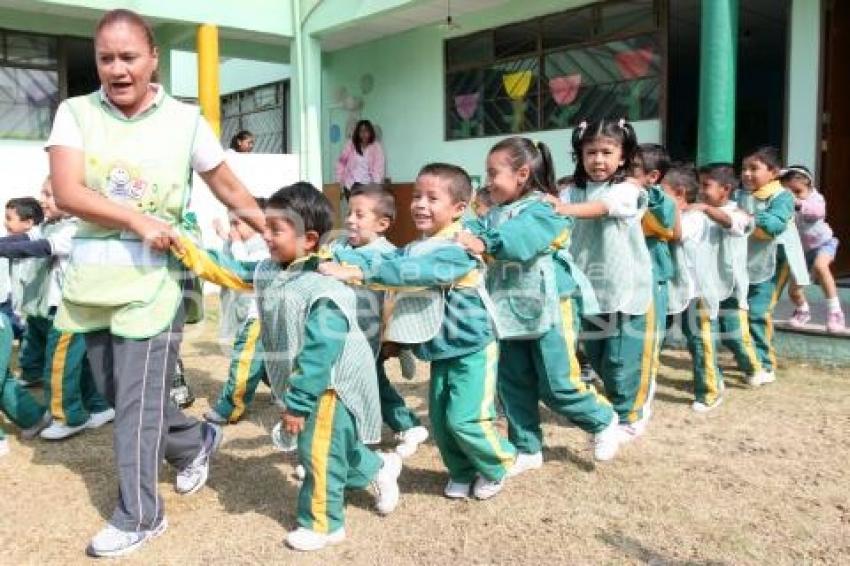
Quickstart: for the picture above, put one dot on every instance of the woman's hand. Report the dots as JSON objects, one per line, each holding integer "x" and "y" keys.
{"x": 472, "y": 243}
{"x": 156, "y": 234}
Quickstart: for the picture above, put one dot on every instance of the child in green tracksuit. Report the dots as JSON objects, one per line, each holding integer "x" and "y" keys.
{"x": 371, "y": 211}
{"x": 661, "y": 226}
{"x": 442, "y": 312}
{"x": 318, "y": 360}
{"x": 533, "y": 285}
{"x": 15, "y": 401}
{"x": 69, "y": 388}
{"x": 609, "y": 247}
{"x": 775, "y": 251}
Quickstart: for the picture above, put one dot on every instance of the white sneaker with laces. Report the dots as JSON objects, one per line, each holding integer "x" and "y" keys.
{"x": 483, "y": 488}
{"x": 385, "y": 483}
{"x": 606, "y": 442}
{"x": 525, "y": 463}
{"x": 307, "y": 540}
{"x": 456, "y": 490}
{"x": 410, "y": 439}
{"x": 4, "y": 447}
{"x": 761, "y": 378}
{"x": 58, "y": 430}
{"x": 633, "y": 431}
{"x": 193, "y": 477}
{"x": 97, "y": 420}
{"x": 700, "y": 407}
{"x": 111, "y": 541}
{"x": 32, "y": 432}
{"x": 213, "y": 417}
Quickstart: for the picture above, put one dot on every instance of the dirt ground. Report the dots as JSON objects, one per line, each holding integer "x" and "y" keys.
{"x": 764, "y": 479}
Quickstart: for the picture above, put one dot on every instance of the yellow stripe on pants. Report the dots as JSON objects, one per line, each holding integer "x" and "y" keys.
{"x": 568, "y": 332}
{"x": 243, "y": 370}
{"x": 709, "y": 373}
{"x": 57, "y": 376}
{"x": 645, "y": 363}
{"x": 781, "y": 280}
{"x": 319, "y": 452}
{"x": 747, "y": 340}
{"x": 486, "y": 414}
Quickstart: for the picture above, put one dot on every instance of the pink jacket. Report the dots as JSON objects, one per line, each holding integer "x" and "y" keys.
{"x": 349, "y": 169}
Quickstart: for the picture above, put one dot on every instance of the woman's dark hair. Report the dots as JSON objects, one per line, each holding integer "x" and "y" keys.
{"x": 27, "y": 208}
{"x": 355, "y": 135}
{"x": 768, "y": 155}
{"x": 538, "y": 158}
{"x": 618, "y": 130}
{"x": 122, "y": 15}
{"x": 240, "y": 136}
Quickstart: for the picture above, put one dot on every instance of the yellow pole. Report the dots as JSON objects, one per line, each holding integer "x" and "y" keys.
{"x": 208, "y": 75}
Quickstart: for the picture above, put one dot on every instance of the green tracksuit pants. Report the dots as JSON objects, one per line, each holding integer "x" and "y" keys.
{"x": 334, "y": 459}
{"x": 762, "y": 298}
{"x": 701, "y": 332}
{"x": 246, "y": 371}
{"x": 734, "y": 326}
{"x": 546, "y": 369}
{"x": 15, "y": 401}
{"x": 463, "y": 414}
{"x": 33, "y": 347}
{"x": 394, "y": 410}
{"x": 621, "y": 349}
{"x": 660, "y": 299}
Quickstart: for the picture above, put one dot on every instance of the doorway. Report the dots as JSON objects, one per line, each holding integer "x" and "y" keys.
{"x": 81, "y": 71}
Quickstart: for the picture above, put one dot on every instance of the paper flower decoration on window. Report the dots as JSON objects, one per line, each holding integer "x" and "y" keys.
{"x": 634, "y": 64}
{"x": 565, "y": 89}
{"x": 517, "y": 84}
{"x": 466, "y": 105}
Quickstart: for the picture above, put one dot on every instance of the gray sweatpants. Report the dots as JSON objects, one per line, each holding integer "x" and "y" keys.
{"x": 135, "y": 378}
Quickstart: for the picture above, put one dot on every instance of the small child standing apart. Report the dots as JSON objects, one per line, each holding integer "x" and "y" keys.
{"x": 609, "y": 247}
{"x": 371, "y": 211}
{"x": 448, "y": 323}
{"x": 774, "y": 252}
{"x": 819, "y": 245}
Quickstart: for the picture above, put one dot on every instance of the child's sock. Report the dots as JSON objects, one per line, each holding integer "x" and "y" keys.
{"x": 833, "y": 304}
{"x": 804, "y": 306}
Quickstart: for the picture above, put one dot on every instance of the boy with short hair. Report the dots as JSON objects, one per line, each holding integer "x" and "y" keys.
{"x": 318, "y": 360}
{"x": 69, "y": 388}
{"x": 448, "y": 324}
{"x": 371, "y": 212}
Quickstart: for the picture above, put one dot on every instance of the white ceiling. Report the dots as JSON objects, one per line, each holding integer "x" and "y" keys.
{"x": 396, "y": 21}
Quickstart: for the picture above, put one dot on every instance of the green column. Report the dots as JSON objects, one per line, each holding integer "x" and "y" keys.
{"x": 718, "y": 65}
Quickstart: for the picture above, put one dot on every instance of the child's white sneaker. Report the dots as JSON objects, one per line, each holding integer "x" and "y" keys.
{"x": 214, "y": 417}
{"x": 633, "y": 431}
{"x": 835, "y": 322}
{"x": 760, "y": 378}
{"x": 800, "y": 317}
{"x": 606, "y": 442}
{"x": 60, "y": 431}
{"x": 410, "y": 439}
{"x": 307, "y": 540}
{"x": 386, "y": 483}
{"x": 4, "y": 447}
{"x": 112, "y": 542}
{"x": 32, "y": 432}
{"x": 456, "y": 490}
{"x": 97, "y": 420}
{"x": 525, "y": 463}
{"x": 483, "y": 488}
{"x": 193, "y": 477}
{"x": 700, "y": 407}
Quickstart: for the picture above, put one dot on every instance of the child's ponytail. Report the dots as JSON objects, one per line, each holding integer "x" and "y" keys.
{"x": 546, "y": 180}
{"x": 538, "y": 158}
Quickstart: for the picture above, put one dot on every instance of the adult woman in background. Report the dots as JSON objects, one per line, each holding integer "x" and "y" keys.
{"x": 120, "y": 160}
{"x": 242, "y": 142}
{"x": 362, "y": 159}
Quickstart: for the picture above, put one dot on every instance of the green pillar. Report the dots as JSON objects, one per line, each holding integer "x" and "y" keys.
{"x": 306, "y": 99}
{"x": 718, "y": 66}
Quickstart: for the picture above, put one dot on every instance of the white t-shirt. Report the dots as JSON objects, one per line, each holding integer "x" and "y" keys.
{"x": 621, "y": 201}
{"x": 207, "y": 152}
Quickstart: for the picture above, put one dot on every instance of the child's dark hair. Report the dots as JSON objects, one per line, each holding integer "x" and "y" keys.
{"x": 768, "y": 155}
{"x": 384, "y": 200}
{"x": 538, "y": 158}
{"x": 262, "y": 202}
{"x": 684, "y": 177}
{"x": 722, "y": 173}
{"x": 800, "y": 172}
{"x": 27, "y": 208}
{"x": 460, "y": 185}
{"x": 484, "y": 196}
{"x": 305, "y": 207}
{"x": 355, "y": 135}
{"x": 240, "y": 136}
{"x": 618, "y": 130}
{"x": 652, "y": 157}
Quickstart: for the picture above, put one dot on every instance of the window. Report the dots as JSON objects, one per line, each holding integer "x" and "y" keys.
{"x": 261, "y": 110}
{"x": 552, "y": 72}
{"x": 29, "y": 85}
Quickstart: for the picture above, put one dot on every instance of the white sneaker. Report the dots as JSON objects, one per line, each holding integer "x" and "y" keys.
{"x": 193, "y": 477}
{"x": 633, "y": 431}
{"x": 97, "y": 420}
{"x": 60, "y": 431}
{"x": 213, "y": 417}
{"x": 606, "y": 442}
{"x": 525, "y": 463}
{"x": 300, "y": 472}
{"x": 111, "y": 541}
{"x": 4, "y": 447}
{"x": 483, "y": 488}
{"x": 761, "y": 378}
{"x": 699, "y": 407}
{"x": 306, "y": 540}
{"x": 32, "y": 432}
{"x": 410, "y": 439}
{"x": 456, "y": 490}
{"x": 386, "y": 483}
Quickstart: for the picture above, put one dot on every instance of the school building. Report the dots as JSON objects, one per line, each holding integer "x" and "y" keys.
{"x": 443, "y": 79}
